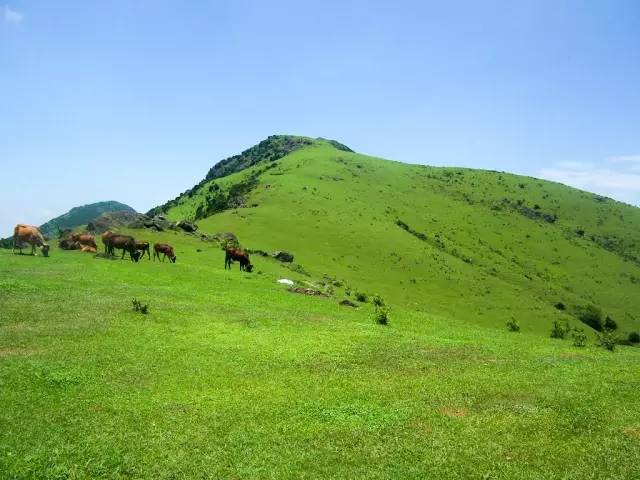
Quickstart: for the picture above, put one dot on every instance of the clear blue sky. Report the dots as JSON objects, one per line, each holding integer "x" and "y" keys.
{"x": 135, "y": 100}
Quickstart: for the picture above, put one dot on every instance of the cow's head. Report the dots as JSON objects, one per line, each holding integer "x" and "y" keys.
{"x": 173, "y": 259}
{"x": 249, "y": 268}
{"x": 45, "y": 249}
{"x": 135, "y": 256}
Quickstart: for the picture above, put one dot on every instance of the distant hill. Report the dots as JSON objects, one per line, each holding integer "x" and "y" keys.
{"x": 82, "y": 215}
{"x": 479, "y": 246}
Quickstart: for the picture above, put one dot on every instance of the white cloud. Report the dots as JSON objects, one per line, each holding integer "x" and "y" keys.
{"x": 616, "y": 177}
{"x": 11, "y": 16}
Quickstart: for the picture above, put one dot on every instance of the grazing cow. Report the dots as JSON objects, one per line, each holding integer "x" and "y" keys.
{"x": 166, "y": 250}
{"x": 143, "y": 246}
{"x": 238, "y": 254}
{"x": 28, "y": 234}
{"x": 125, "y": 243}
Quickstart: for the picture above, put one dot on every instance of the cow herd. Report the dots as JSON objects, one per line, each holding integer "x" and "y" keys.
{"x": 30, "y": 235}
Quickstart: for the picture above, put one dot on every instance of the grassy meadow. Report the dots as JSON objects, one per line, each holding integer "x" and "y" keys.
{"x": 232, "y": 376}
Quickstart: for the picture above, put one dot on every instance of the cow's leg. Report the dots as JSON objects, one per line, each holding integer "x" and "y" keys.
{"x": 123, "y": 252}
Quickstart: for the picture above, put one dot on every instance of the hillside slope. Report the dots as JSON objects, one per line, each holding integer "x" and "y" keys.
{"x": 476, "y": 245}
{"x": 82, "y": 215}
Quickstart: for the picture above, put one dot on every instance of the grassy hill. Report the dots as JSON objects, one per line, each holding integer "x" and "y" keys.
{"x": 480, "y": 246}
{"x": 80, "y": 216}
{"x": 231, "y": 375}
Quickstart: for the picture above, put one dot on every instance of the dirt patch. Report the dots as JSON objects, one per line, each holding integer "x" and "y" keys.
{"x": 633, "y": 432}
{"x": 6, "y": 352}
{"x": 453, "y": 412}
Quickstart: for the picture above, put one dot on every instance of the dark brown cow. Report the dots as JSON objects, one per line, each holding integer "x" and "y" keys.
{"x": 166, "y": 250}
{"x": 126, "y": 243}
{"x": 29, "y": 234}
{"x": 142, "y": 247}
{"x": 237, "y": 254}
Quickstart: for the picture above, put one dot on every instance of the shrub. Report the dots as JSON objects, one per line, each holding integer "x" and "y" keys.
{"x": 634, "y": 337}
{"x": 559, "y": 330}
{"x": 361, "y": 297}
{"x": 607, "y": 340}
{"x": 139, "y": 307}
{"x": 579, "y": 337}
{"x": 560, "y": 306}
{"x": 592, "y": 316}
{"x": 382, "y": 316}
{"x": 610, "y": 324}
{"x": 378, "y": 301}
{"x": 513, "y": 325}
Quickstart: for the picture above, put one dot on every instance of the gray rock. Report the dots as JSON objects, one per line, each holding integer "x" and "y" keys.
{"x": 283, "y": 256}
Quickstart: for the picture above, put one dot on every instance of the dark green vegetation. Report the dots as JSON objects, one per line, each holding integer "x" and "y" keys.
{"x": 80, "y": 216}
{"x": 232, "y": 375}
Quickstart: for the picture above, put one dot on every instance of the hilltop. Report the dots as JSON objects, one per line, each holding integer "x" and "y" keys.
{"x": 482, "y": 246}
{"x": 82, "y": 215}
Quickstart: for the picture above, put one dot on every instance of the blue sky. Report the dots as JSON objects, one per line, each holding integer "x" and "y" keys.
{"x": 135, "y": 100}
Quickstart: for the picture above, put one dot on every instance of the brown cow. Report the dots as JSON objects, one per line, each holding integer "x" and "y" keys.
{"x": 126, "y": 243}
{"x": 105, "y": 240}
{"x": 29, "y": 234}
{"x": 231, "y": 254}
{"x": 143, "y": 246}
{"x": 85, "y": 240}
{"x": 166, "y": 250}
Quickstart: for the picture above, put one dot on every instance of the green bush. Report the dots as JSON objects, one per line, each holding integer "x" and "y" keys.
{"x": 513, "y": 325}
{"x": 377, "y": 300}
{"x": 560, "y": 330}
{"x": 607, "y": 340}
{"x": 560, "y": 306}
{"x": 579, "y": 337}
{"x": 382, "y": 316}
{"x": 592, "y": 316}
{"x": 634, "y": 337}
{"x": 361, "y": 297}
{"x": 139, "y": 307}
{"x": 610, "y": 324}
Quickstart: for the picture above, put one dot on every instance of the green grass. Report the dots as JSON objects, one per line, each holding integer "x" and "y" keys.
{"x": 232, "y": 376}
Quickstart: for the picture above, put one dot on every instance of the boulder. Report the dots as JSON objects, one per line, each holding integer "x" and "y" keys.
{"x": 348, "y": 303}
{"x": 283, "y": 256}
{"x": 187, "y": 226}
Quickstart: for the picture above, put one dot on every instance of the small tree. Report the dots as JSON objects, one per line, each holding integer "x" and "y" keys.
{"x": 513, "y": 325}
{"x": 559, "y": 330}
{"x": 382, "y": 316}
{"x": 610, "y": 324}
{"x": 607, "y": 340}
{"x": 579, "y": 337}
{"x": 592, "y": 316}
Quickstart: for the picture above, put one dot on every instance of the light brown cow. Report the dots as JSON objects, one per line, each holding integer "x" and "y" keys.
{"x": 29, "y": 234}
{"x": 85, "y": 240}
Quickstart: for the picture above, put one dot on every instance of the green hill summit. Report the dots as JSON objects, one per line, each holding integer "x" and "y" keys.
{"x": 483, "y": 246}
{"x": 79, "y": 216}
